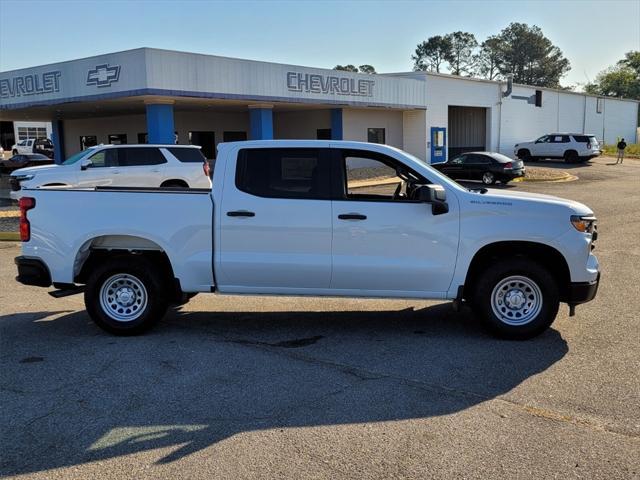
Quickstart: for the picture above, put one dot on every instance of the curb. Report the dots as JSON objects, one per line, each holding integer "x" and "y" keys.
{"x": 9, "y": 237}
{"x": 567, "y": 177}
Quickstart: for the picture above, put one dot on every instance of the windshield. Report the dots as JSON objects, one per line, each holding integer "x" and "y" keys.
{"x": 74, "y": 158}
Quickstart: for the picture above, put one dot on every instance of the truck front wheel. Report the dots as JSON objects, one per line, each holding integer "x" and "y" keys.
{"x": 125, "y": 296}
{"x": 517, "y": 299}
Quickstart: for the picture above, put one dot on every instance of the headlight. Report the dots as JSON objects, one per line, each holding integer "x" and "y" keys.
{"x": 583, "y": 223}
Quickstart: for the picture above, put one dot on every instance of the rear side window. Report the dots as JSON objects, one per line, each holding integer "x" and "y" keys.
{"x": 188, "y": 155}
{"x": 139, "y": 156}
{"x": 283, "y": 173}
{"x": 585, "y": 139}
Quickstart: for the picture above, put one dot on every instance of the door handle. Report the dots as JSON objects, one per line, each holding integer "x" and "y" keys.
{"x": 240, "y": 213}
{"x": 352, "y": 216}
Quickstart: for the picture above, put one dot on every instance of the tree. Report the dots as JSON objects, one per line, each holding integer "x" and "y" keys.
{"x": 352, "y": 68}
{"x": 621, "y": 80}
{"x": 431, "y": 54}
{"x": 486, "y": 61}
{"x": 366, "y": 69}
{"x": 346, "y": 68}
{"x": 460, "y": 55}
{"x": 529, "y": 56}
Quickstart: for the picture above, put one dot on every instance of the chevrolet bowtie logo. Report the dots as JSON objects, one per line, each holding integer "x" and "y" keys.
{"x": 103, "y": 75}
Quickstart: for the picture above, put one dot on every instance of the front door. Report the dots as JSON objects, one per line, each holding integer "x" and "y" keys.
{"x": 438, "y": 144}
{"x": 383, "y": 242}
{"x": 275, "y": 224}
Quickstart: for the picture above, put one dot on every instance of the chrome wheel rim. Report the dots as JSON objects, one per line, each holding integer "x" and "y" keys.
{"x": 487, "y": 177}
{"x": 516, "y": 300}
{"x": 123, "y": 297}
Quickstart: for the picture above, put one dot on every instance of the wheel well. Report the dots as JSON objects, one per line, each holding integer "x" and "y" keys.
{"x": 524, "y": 151}
{"x": 545, "y": 255}
{"x": 570, "y": 152}
{"x": 98, "y": 250}
{"x": 174, "y": 183}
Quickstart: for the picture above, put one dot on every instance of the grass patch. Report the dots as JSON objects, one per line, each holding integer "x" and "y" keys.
{"x": 632, "y": 150}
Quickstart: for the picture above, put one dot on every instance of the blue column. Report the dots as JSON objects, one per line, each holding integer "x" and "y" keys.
{"x": 336, "y": 124}
{"x": 57, "y": 137}
{"x": 160, "y": 127}
{"x": 261, "y": 123}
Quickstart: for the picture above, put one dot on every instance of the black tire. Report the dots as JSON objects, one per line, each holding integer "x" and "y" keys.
{"x": 525, "y": 155}
{"x": 507, "y": 326}
{"x": 139, "y": 271}
{"x": 15, "y": 152}
{"x": 488, "y": 178}
{"x": 571, "y": 157}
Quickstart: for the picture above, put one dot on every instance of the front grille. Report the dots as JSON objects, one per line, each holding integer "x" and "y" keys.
{"x": 14, "y": 183}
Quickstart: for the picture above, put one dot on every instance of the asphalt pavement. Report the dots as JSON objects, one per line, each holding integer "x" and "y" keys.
{"x": 266, "y": 387}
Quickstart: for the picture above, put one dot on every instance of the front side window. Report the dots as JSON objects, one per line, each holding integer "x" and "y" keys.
{"x": 104, "y": 158}
{"x": 544, "y": 139}
{"x": 372, "y": 176}
{"x": 375, "y": 135}
{"x": 283, "y": 173}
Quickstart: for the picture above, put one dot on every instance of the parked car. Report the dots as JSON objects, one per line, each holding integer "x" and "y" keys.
{"x": 22, "y": 161}
{"x": 299, "y": 217}
{"x": 43, "y": 146}
{"x": 571, "y": 147}
{"x": 490, "y": 167}
{"x": 121, "y": 166}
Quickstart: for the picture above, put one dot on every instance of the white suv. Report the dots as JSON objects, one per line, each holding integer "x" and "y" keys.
{"x": 572, "y": 147}
{"x": 119, "y": 166}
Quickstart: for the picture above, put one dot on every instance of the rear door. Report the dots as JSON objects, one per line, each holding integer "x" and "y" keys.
{"x": 383, "y": 242}
{"x": 275, "y": 221}
{"x": 139, "y": 167}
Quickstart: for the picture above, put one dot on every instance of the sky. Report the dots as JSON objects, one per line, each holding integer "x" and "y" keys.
{"x": 593, "y": 35}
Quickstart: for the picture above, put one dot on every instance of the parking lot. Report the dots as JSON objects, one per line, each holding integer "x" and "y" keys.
{"x": 260, "y": 387}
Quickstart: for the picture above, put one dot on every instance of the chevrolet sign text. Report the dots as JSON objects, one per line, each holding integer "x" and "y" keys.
{"x": 34, "y": 84}
{"x": 316, "y": 83}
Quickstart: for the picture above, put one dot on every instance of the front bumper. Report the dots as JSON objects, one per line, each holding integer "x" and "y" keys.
{"x": 32, "y": 271}
{"x": 582, "y": 292}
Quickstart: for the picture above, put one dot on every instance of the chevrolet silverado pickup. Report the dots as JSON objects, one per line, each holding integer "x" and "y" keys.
{"x": 320, "y": 218}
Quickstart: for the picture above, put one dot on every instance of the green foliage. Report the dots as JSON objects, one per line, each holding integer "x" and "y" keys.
{"x": 621, "y": 80}
{"x": 529, "y": 56}
{"x": 518, "y": 50}
{"x": 352, "y": 68}
{"x": 460, "y": 56}
{"x": 431, "y": 54}
{"x": 632, "y": 150}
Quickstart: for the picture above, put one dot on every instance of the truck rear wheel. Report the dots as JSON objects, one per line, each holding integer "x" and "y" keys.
{"x": 516, "y": 299}
{"x": 125, "y": 295}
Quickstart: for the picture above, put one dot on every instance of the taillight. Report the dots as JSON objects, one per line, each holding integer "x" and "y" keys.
{"x": 207, "y": 169}
{"x": 25, "y": 204}
{"x": 508, "y": 165}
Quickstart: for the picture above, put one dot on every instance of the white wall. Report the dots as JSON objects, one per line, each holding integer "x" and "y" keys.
{"x": 444, "y": 91}
{"x": 414, "y": 133}
{"x": 300, "y": 124}
{"x": 356, "y": 121}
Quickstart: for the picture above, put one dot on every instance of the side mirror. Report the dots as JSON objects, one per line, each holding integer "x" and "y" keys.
{"x": 85, "y": 164}
{"x": 436, "y": 195}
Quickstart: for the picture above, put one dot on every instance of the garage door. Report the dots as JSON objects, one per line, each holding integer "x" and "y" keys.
{"x": 467, "y": 130}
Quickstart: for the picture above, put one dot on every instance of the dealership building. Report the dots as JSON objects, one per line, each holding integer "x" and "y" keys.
{"x": 161, "y": 96}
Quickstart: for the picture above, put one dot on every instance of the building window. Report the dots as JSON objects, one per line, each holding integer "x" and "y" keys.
{"x": 323, "y": 134}
{"x": 234, "y": 136}
{"x": 375, "y": 135}
{"x": 599, "y": 105}
{"x": 26, "y": 133}
{"x": 143, "y": 138}
{"x": 206, "y": 140}
{"x": 117, "y": 138}
{"x": 87, "y": 141}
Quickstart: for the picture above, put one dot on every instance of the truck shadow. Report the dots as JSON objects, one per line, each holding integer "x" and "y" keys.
{"x": 200, "y": 378}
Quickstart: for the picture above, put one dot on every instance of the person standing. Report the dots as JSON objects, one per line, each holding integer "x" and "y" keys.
{"x": 621, "y": 146}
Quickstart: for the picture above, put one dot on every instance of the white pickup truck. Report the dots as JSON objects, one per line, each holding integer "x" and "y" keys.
{"x": 321, "y": 218}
